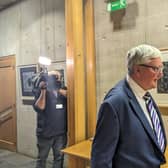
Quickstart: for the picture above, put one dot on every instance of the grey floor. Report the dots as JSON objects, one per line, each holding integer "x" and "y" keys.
{"x": 15, "y": 160}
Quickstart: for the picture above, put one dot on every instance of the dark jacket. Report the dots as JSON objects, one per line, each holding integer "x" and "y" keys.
{"x": 124, "y": 138}
{"x": 53, "y": 119}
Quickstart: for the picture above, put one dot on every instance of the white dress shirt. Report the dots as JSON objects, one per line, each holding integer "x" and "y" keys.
{"x": 139, "y": 93}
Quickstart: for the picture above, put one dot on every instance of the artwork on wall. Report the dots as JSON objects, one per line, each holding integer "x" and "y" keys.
{"x": 160, "y": 94}
{"x": 162, "y": 86}
{"x": 26, "y": 75}
{"x": 28, "y": 72}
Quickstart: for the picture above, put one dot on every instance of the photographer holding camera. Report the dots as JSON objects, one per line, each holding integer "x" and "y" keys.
{"x": 51, "y": 107}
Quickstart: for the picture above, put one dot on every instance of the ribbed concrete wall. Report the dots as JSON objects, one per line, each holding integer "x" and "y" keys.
{"x": 37, "y": 27}
{"x": 143, "y": 21}
{"x": 28, "y": 30}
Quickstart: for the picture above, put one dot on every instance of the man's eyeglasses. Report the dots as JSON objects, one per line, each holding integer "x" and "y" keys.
{"x": 154, "y": 68}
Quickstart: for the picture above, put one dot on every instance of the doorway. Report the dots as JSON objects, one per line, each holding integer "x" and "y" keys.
{"x": 8, "y": 136}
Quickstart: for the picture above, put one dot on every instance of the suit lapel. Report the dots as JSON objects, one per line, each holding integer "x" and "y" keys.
{"x": 140, "y": 114}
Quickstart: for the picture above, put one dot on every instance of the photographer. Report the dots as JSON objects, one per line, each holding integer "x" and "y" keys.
{"x": 51, "y": 107}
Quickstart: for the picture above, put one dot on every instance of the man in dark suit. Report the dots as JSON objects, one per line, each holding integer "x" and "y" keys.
{"x": 126, "y": 135}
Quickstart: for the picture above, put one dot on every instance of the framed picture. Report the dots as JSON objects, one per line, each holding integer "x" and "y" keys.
{"x": 162, "y": 86}
{"x": 160, "y": 94}
{"x": 26, "y": 75}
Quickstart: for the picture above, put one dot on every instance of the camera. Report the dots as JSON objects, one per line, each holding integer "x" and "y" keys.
{"x": 53, "y": 82}
{"x": 43, "y": 77}
{"x": 37, "y": 78}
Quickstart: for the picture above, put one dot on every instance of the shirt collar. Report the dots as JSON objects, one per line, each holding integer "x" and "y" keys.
{"x": 138, "y": 90}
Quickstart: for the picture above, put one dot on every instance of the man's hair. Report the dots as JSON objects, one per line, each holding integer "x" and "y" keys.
{"x": 140, "y": 55}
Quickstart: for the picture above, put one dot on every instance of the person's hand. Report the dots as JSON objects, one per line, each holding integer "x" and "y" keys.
{"x": 43, "y": 85}
{"x": 63, "y": 92}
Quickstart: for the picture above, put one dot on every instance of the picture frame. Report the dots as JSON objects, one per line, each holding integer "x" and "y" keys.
{"x": 26, "y": 75}
{"x": 160, "y": 94}
{"x": 28, "y": 72}
{"x": 162, "y": 85}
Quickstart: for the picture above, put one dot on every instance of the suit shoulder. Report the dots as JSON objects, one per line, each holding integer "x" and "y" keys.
{"x": 115, "y": 94}
{"x": 117, "y": 97}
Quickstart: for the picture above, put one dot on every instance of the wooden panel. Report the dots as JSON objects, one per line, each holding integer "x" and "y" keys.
{"x": 90, "y": 68}
{"x": 81, "y": 100}
{"x": 6, "y": 90}
{"x": 5, "y": 115}
{"x": 7, "y": 61}
{"x": 8, "y": 103}
{"x": 75, "y": 75}
{"x": 75, "y": 70}
{"x": 5, "y": 128}
{"x": 82, "y": 151}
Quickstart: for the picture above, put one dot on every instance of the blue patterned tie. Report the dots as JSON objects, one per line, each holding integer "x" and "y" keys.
{"x": 155, "y": 121}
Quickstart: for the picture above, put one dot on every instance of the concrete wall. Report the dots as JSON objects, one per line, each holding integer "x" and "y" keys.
{"x": 28, "y": 30}
{"x": 143, "y": 21}
{"x": 37, "y": 27}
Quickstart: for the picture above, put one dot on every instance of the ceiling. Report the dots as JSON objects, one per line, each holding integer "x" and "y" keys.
{"x": 6, "y": 3}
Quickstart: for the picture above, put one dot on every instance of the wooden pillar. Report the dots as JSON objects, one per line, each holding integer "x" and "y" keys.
{"x": 81, "y": 80}
{"x": 90, "y": 67}
{"x": 75, "y": 75}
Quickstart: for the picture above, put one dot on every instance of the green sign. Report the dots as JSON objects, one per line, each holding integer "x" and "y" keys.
{"x": 116, "y": 5}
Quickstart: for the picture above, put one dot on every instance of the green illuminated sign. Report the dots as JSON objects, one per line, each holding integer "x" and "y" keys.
{"x": 116, "y": 5}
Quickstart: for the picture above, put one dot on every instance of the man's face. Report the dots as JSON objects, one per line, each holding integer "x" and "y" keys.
{"x": 149, "y": 73}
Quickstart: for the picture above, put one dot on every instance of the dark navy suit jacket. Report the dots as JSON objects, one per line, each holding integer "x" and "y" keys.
{"x": 124, "y": 138}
